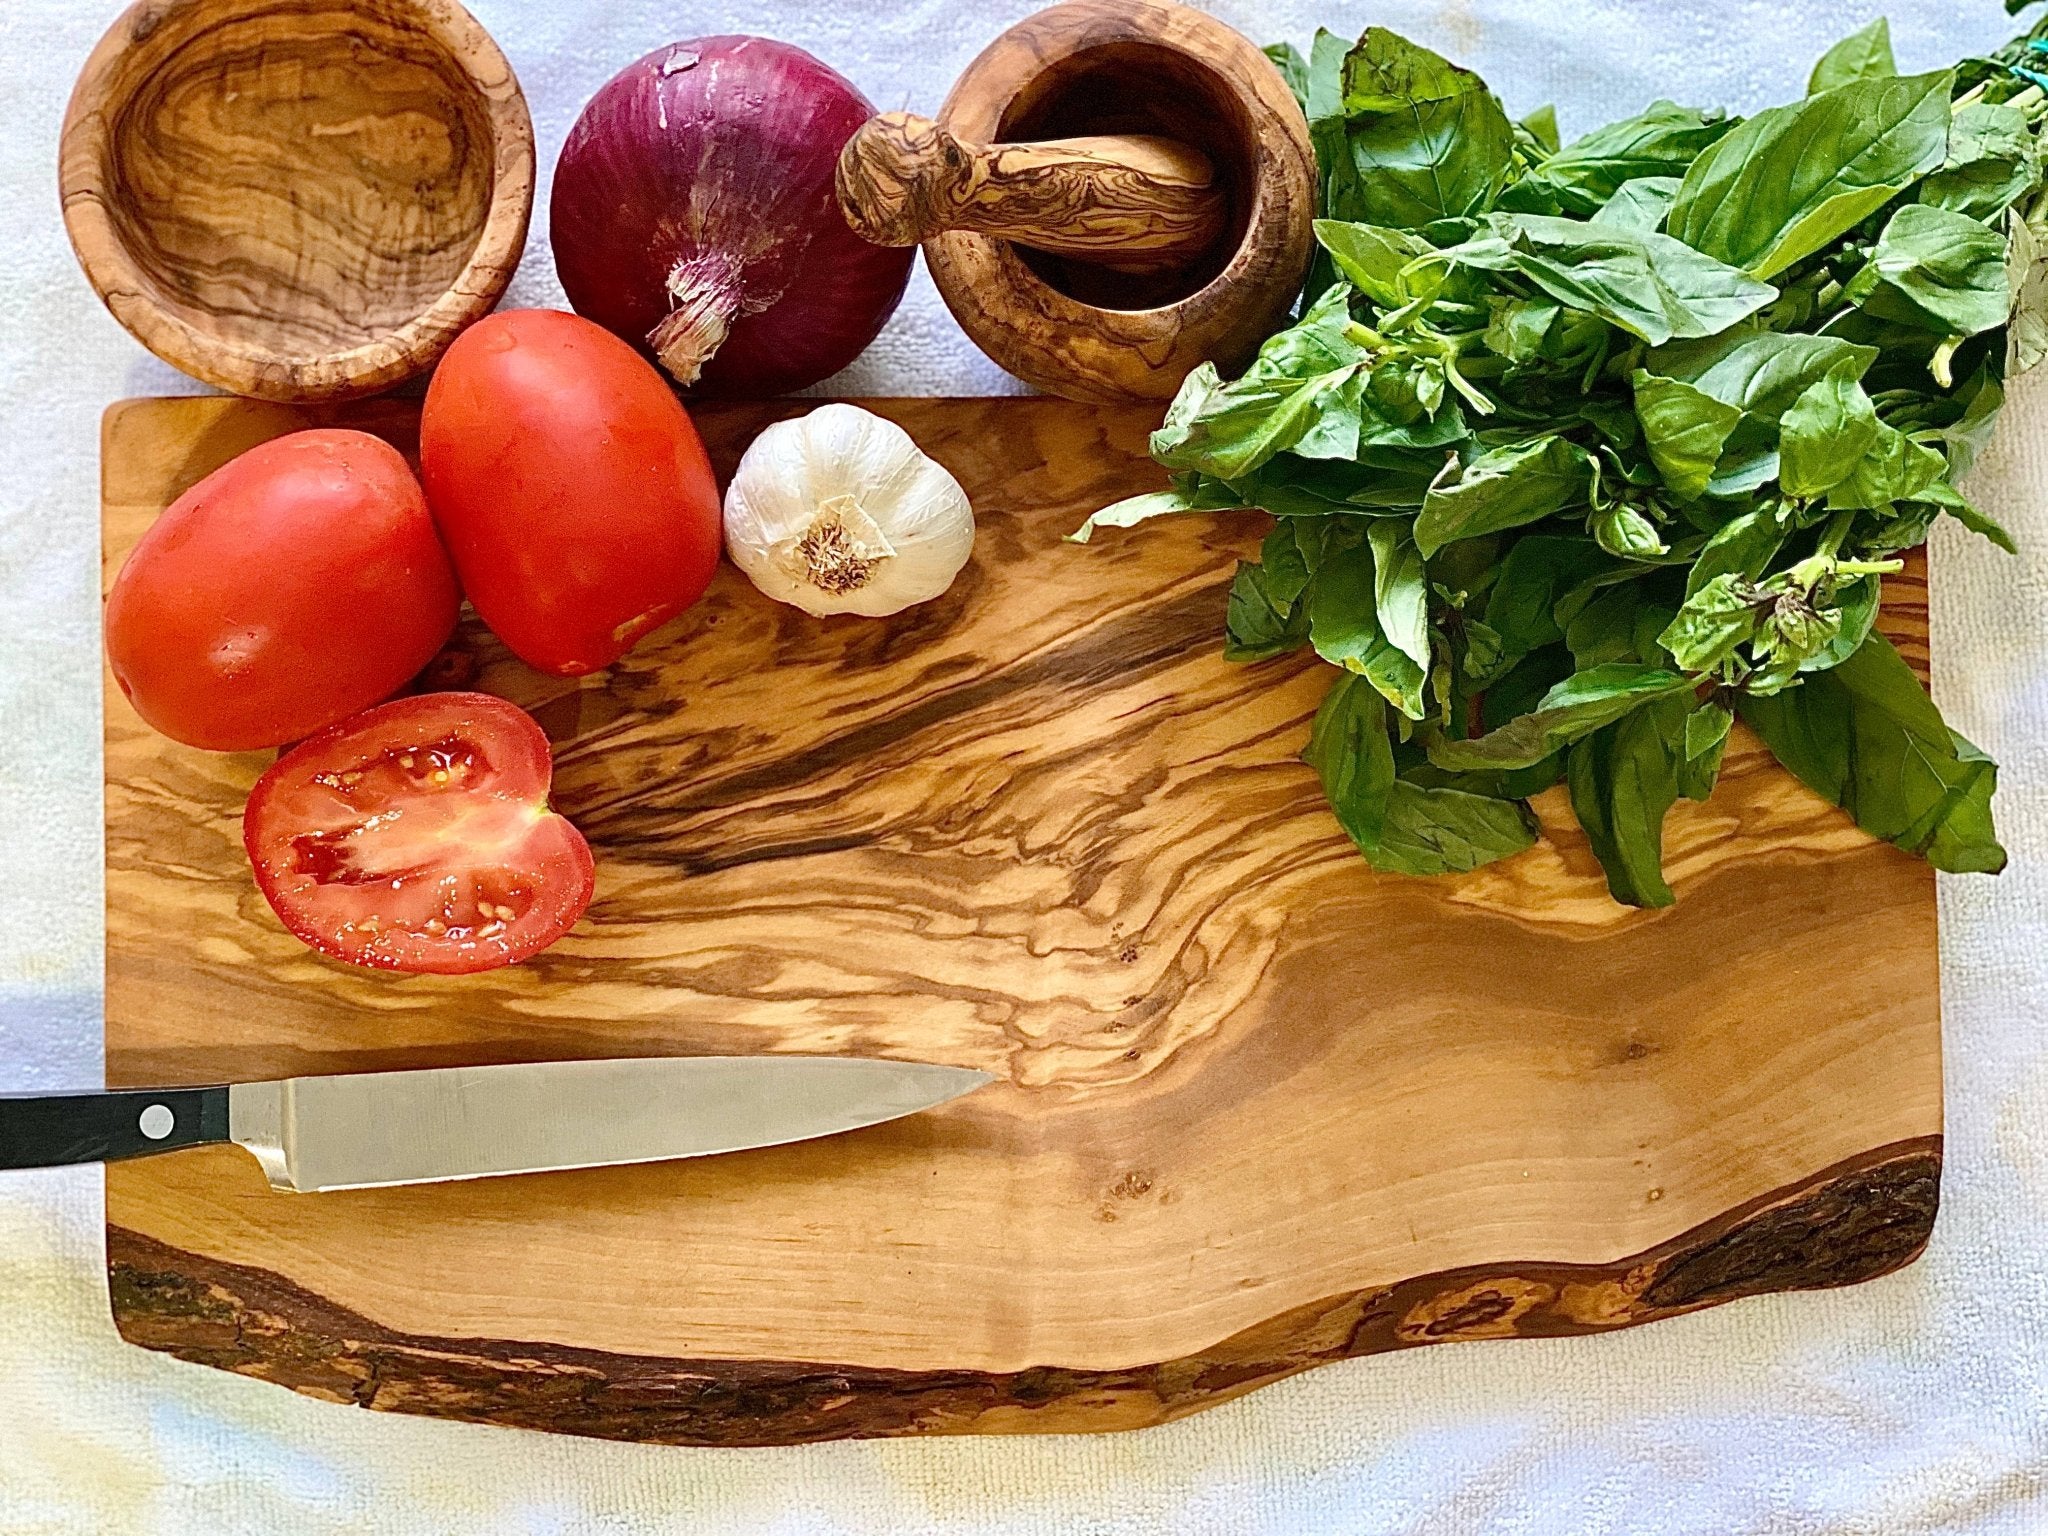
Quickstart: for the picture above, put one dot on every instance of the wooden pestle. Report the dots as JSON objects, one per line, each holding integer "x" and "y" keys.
{"x": 1166, "y": 251}
{"x": 1134, "y": 202}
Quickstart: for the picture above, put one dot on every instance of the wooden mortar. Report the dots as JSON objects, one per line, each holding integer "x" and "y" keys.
{"x": 297, "y": 199}
{"x": 1115, "y": 191}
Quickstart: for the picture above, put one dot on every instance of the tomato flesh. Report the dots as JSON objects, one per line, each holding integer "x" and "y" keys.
{"x": 417, "y": 837}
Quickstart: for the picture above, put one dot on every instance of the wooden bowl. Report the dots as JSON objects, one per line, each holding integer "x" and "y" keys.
{"x": 1111, "y": 67}
{"x": 297, "y": 199}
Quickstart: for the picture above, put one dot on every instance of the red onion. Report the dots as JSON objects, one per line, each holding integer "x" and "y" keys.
{"x": 694, "y": 214}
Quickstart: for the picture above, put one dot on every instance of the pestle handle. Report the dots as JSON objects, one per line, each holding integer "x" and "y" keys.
{"x": 1132, "y": 202}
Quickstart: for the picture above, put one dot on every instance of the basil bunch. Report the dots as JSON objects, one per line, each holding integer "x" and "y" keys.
{"x": 1579, "y": 453}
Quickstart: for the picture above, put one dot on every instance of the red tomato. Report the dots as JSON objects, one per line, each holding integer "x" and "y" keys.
{"x": 289, "y": 589}
{"x": 573, "y": 492}
{"x": 417, "y": 837}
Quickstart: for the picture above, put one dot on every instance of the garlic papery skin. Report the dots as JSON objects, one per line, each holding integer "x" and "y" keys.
{"x": 840, "y": 512}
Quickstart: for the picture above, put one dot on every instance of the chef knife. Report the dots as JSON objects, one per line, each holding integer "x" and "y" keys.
{"x": 366, "y": 1130}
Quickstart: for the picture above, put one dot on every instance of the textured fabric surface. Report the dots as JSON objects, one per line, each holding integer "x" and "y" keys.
{"x": 1915, "y": 1404}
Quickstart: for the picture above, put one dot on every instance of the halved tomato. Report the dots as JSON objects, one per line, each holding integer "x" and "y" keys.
{"x": 417, "y": 837}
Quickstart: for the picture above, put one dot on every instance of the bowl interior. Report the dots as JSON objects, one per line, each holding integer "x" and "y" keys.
{"x": 1144, "y": 88}
{"x": 297, "y": 177}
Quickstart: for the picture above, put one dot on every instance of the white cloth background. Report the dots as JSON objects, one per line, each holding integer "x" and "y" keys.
{"x": 1915, "y": 1404}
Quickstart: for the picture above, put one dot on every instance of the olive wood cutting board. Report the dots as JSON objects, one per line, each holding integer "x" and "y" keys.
{"x": 1259, "y": 1108}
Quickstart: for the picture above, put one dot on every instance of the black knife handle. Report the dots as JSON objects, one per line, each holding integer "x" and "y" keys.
{"x": 56, "y": 1129}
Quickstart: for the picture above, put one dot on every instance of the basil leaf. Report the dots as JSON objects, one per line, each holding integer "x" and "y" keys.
{"x": 1743, "y": 546}
{"x": 1541, "y": 126}
{"x": 1344, "y": 627}
{"x": 1291, "y": 555}
{"x": 1866, "y": 737}
{"x": 1992, "y": 160}
{"x": 1323, "y": 103}
{"x": 1349, "y": 750}
{"x": 1783, "y": 184}
{"x": 1517, "y": 692}
{"x": 1436, "y": 831}
{"x": 1614, "y": 420}
{"x": 1486, "y": 657}
{"x": 1623, "y": 780}
{"x": 1760, "y": 372}
{"x": 1290, "y": 487}
{"x": 1423, "y": 139}
{"x": 1784, "y": 620}
{"x": 2026, "y": 273}
{"x": 1857, "y": 603}
{"x": 1504, "y": 489}
{"x": 1705, "y": 743}
{"x": 1293, "y": 69}
{"x": 1906, "y": 527}
{"x": 1293, "y": 392}
{"x": 1603, "y": 630}
{"x": 1618, "y": 625}
{"x": 1263, "y": 620}
{"x": 1190, "y": 493}
{"x": 1661, "y": 142}
{"x": 1130, "y": 512}
{"x": 1966, "y": 437}
{"x": 1400, "y": 590}
{"x": 1826, "y": 434}
{"x": 1336, "y": 412}
{"x": 1575, "y": 708}
{"x": 1641, "y": 204}
{"x": 1375, "y": 258}
{"x": 1538, "y": 571}
{"x": 1685, "y": 429}
{"x": 1744, "y": 470}
{"x": 1862, "y": 55}
{"x": 1937, "y": 269}
{"x": 1323, "y": 85}
{"x": 1626, "y": 534}
{"x": 1267, "y": 615}
{"x": 1958, "y": 833}
{"x": 1957, "y": 506}
{"x": 1402, "y": 827}
{"x": 1895, "y": 469}
{"x": 1652, "y": 286}
{"x": 1521, "y": 329}
{"x": 1706, "y": 728}
{"x": 1717, "y": 619}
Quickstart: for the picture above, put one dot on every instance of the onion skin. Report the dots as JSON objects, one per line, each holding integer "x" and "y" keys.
{"x": 698, "y": 185}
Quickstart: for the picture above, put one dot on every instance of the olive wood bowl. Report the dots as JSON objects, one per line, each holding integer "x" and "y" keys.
{"x": 297, "y": 199}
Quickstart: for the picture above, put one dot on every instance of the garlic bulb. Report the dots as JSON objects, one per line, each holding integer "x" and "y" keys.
{"x": 840, "y": 512}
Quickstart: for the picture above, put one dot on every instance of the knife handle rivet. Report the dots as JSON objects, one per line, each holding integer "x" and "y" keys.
{"x": 157, "y": 1122}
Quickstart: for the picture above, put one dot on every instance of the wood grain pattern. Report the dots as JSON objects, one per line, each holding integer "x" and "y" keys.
{"x": 297, "y": 199}
{"x": 1092, "y": 68}
{"x": 1851, "y": 1223}
{"x": 1038, "y": 827}
{"x": 1141, "y": 203}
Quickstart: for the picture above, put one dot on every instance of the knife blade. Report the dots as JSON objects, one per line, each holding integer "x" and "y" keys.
{"x": 372, "y": 1129}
